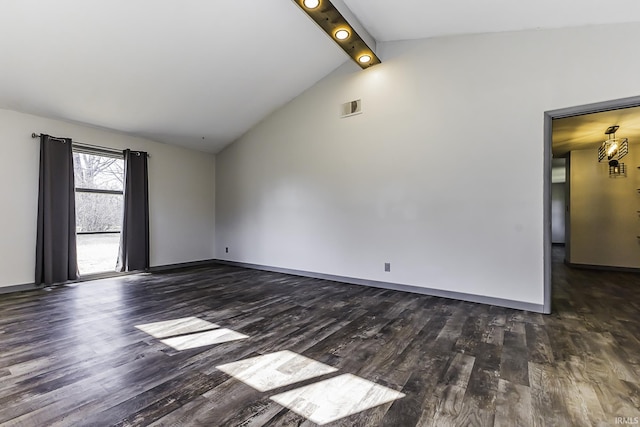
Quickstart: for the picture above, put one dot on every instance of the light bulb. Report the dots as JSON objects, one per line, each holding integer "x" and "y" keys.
{"x": 364, "y": 59}
{"x": 311, "y": 4}
{"x": 342, "y": 34}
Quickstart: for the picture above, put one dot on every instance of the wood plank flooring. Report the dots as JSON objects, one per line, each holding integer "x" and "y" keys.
{"x": 74, "y": 356}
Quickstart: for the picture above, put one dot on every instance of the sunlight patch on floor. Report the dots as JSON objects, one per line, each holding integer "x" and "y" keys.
{"x": 274, "y": 370}
{"x": 200, "y": 339}
{"x": 336, "y": 398}
{"x": 321, "y": 402}
{"x": 170, "y": 328}
{"x": 189, "y": 332}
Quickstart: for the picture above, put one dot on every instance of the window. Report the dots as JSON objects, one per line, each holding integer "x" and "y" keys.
{"x": 99, "y": 181}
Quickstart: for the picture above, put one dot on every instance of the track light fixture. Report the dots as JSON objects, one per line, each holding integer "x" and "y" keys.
{"x": 342, "y": 34}
{"x": 329, "y": 18}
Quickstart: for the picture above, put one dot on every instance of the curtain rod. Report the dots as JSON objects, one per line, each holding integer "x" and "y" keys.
{"x": 82, "y": 144}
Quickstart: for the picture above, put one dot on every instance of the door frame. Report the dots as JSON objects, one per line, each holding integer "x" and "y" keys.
{"x": 549, "y": 116}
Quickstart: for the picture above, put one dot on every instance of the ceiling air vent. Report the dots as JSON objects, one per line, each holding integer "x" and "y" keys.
{"x": 352, "y": 108}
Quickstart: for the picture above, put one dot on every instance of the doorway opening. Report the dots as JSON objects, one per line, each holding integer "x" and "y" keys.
{"x": 590, "y": 133}
{"x": 99, "y": 185}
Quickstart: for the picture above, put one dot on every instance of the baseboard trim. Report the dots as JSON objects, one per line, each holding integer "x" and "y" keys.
{"x": 516, "y": 305}
{"x": 87, "y": 278}
{"x": 481, "y": 299}
{"x": 603, "y": 267}
{"x": 19, "y": 288}
{"x": 182, "y": 265}
{"x": 106, "y": 275}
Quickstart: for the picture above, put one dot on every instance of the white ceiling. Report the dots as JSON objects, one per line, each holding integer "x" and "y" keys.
{"x": 388, "y": 20}
{"x": 170, "y": 70}
{"x": 179, "y": 70}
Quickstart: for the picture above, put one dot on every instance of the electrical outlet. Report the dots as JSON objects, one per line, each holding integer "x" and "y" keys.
{"x": 387, "y": 266}
{"x": 226, "y": 250}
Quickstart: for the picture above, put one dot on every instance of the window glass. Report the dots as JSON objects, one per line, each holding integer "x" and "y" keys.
{"x": 98, "y": 212}
{"x": 99, "y": 208}
{"x": 98, "y": 172}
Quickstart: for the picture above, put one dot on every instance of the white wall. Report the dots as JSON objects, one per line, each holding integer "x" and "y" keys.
{"x": 442, "y": 175}
{"x": 181, "y": 194}
{"x": 604, "y": 211}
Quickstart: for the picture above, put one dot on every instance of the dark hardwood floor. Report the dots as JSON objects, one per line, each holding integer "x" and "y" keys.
{"x": 74, "y": 356}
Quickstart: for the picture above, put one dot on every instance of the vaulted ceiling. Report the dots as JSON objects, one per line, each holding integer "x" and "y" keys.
{"x": 201, "y": 73}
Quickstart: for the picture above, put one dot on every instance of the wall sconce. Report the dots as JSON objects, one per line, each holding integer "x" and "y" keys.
{"x": 329, "y": 18}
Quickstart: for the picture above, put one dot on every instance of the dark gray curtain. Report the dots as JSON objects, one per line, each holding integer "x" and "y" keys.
{"x": 134, "y": 239}
{"x": 56, "y": 257}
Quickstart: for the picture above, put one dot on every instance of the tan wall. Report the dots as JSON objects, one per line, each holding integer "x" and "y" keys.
{"x": 604, "y": 211}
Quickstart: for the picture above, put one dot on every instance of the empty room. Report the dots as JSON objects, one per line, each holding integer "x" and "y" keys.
{"x": 319, "y": 212}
